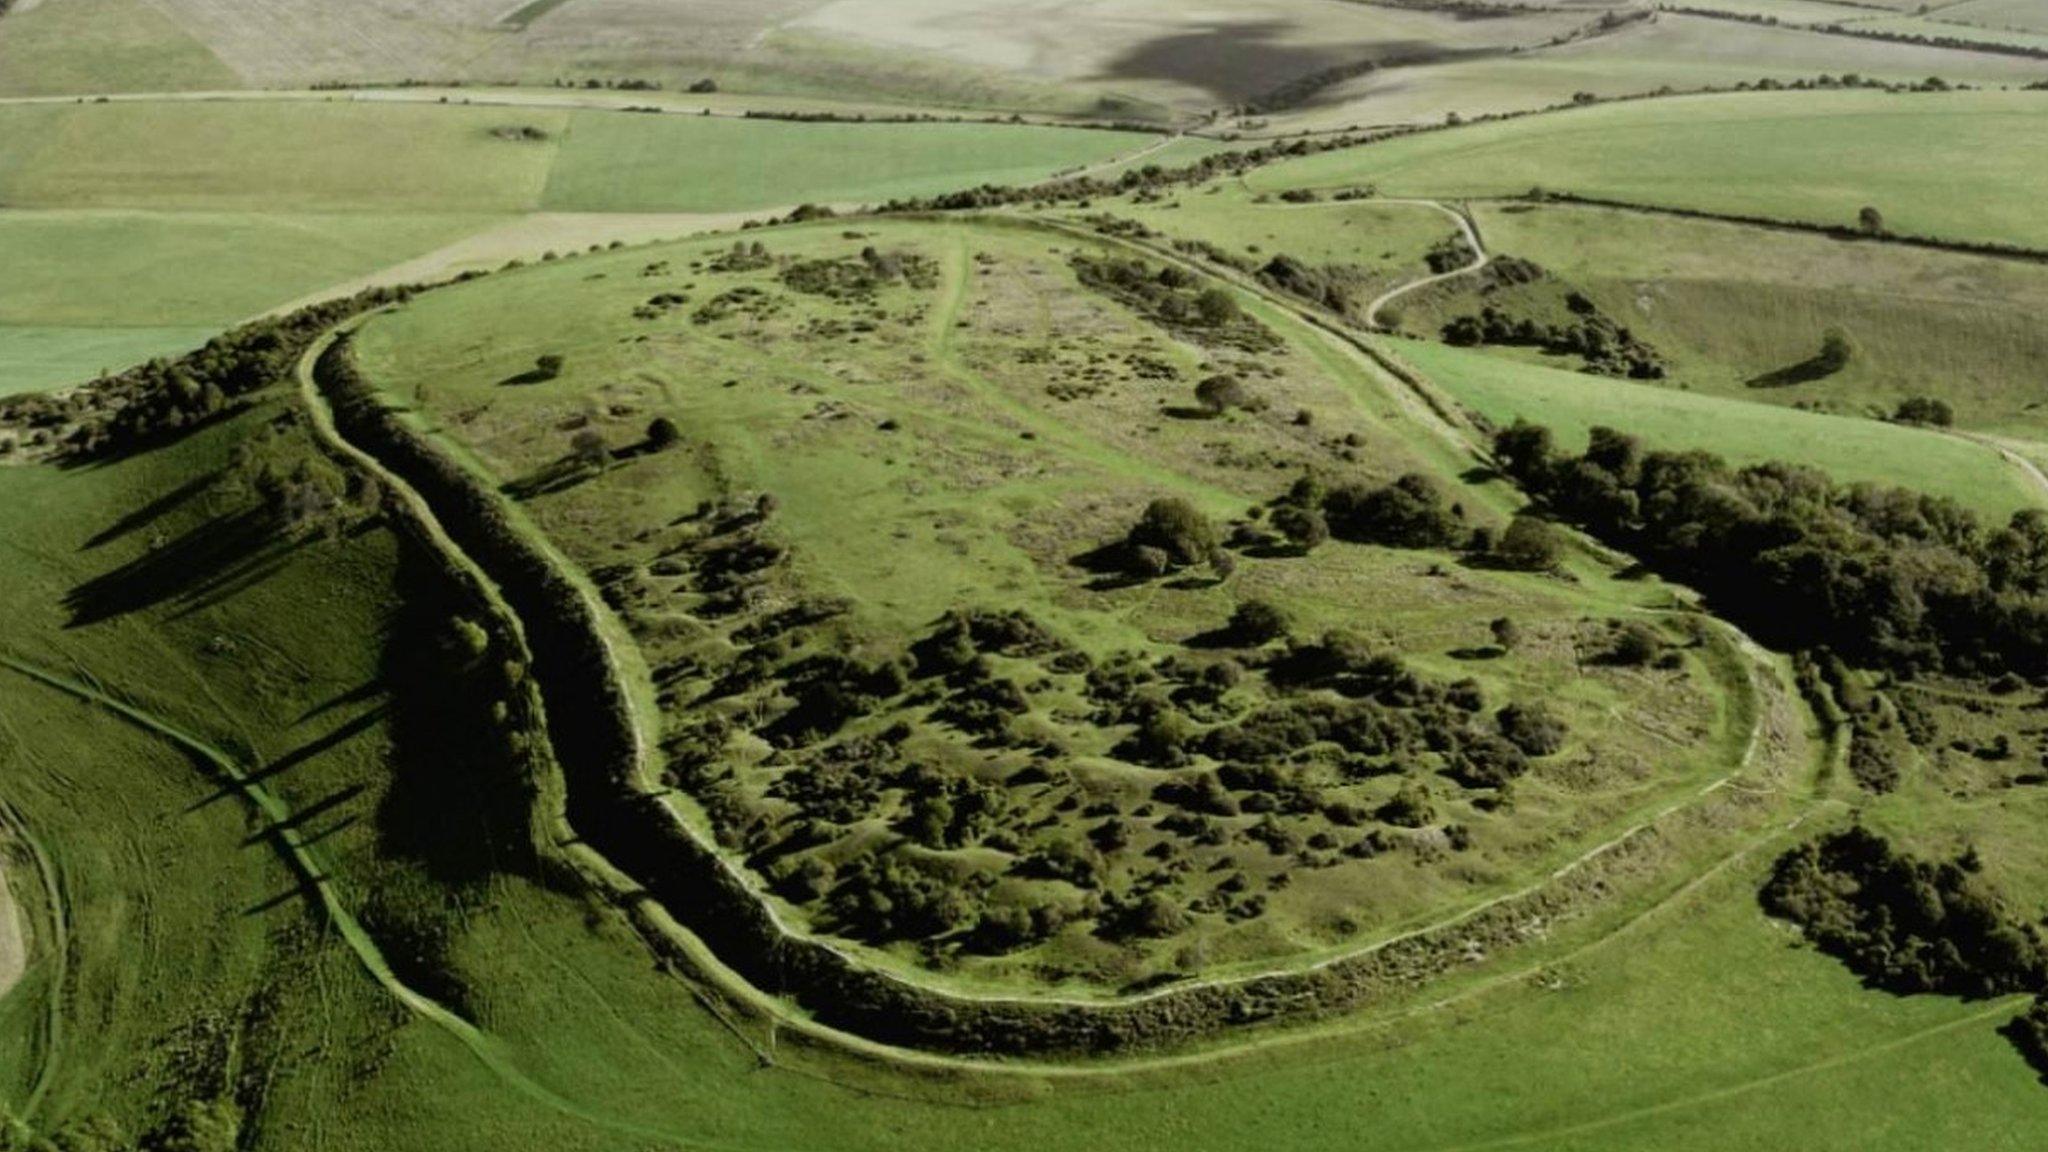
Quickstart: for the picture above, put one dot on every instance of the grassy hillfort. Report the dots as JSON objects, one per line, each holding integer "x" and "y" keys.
{"x": 843, "y": 575}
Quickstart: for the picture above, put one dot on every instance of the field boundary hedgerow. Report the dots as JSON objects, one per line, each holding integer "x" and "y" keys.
{"x": 1991, "y": 248}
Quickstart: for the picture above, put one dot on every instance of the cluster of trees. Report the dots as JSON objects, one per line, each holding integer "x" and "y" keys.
{"x": 163, "y": 399}
{"x": 1607, "y": 348}
{"x": 1324, "y": 286}
{"x": 1412, "y": 511}
{"x": 2029, "y": 1033}
{"x": 1449, "y": 254}
{"x": 1176, "y": 299}
{"x": 859, "y": 279}
{"x": 1924, "y": 410}
{"x": 1902, "y": 923}
{"x": 1885, "y": 576}
{"x": 1170, "y": 535}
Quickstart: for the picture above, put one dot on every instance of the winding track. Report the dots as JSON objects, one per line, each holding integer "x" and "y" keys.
{"x": 1480, "y": 259}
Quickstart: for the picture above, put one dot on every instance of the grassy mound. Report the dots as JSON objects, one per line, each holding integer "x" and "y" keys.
{"x": 1114, "y": 782}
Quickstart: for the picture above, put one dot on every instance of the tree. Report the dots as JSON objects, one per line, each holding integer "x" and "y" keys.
{"x": 1220, "y": 393}
{"x": 1871, "y": 221}
{"x": 588, "y": 448}
{"x": 1836, "y": 351}
{"x": 1635, "y": 645}
{"x": 1524, "y": 450}
{"x": 547, "y": 367}
{"x": 1529, "y": 545}
{"x": 1506, "y": 633}
{"x": 1176, "y": 528}
{"x": 663, "y": 433}
{"x": 1304, "y": 527}
{"x": 1924, "y": 410}
{"x": 1531, "y": 728}
{"x": 1409, "y": 513}
{"x": 1257, "y": 621}
{"x": 1217, "y": 308}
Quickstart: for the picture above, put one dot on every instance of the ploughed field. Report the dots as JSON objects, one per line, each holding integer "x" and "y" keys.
{"x": 860, "y": 494}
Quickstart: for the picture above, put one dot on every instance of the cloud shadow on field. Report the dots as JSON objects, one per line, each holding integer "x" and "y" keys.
{"x": 1249, "y": 61}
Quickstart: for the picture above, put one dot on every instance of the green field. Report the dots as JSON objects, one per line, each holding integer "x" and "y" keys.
{"x": 161, "y": 214}
{"x": 35, "y": 357}
{"x": 1815, "y": 157}
{"x": 166, "y": 269}
{"x": 1729, "y": 305}
{"x": 614, "y": 163}
{"x": 309, "y": 156}
{"x": 1383, "y": 243}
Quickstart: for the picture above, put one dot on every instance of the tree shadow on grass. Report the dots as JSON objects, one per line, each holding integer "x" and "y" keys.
{"x": 1805, "y": 372}
{"x": 216, "y": 559}
{"x": 335, "y": 738}
{"x": 155, "y": 510}
{"x": 559, "y": 476}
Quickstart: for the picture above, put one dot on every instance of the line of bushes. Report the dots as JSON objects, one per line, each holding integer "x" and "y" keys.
{"x": 1954, "y": 43}
{"x": 1833, "y": 231}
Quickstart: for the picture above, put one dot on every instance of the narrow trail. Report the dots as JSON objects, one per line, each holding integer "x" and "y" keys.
{"x": 1480, "y": 259}
{"x": 56, "y": 946}
{"x": 1159, "y": 145}
{"x": 322, "y": 890}
{"x": 2035, "y": 476}
{"x": 13, "y": 937}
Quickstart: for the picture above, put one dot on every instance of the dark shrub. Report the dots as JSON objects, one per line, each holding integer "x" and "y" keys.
{"x": 1528, "y": 545}
{"x": 1257, "y": 622}
{"x": 1531, "y": 728}
{"x": 1176, "y": 528}
{"x": 1409, "y": 513}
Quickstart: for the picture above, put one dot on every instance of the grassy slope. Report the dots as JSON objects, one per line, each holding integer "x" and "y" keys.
{"x": 1849, "y": 448}
{"x": 86, "y": 46}
{"x": 1729, "y": 304}
{"x": 623, "y": 163}
{"x": 1645, "y": 1044}
{"x": 272, "y": 650}
{"x": 1808, "y": 156}
{"x": 1693, "y": 1078}
{"x": 272, "y": 157}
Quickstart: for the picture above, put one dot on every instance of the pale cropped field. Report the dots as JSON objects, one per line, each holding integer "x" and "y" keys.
{"x": 1682, "y": 52}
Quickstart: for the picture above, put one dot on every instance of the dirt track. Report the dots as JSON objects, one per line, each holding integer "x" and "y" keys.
{"x": 13, "y": 941}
